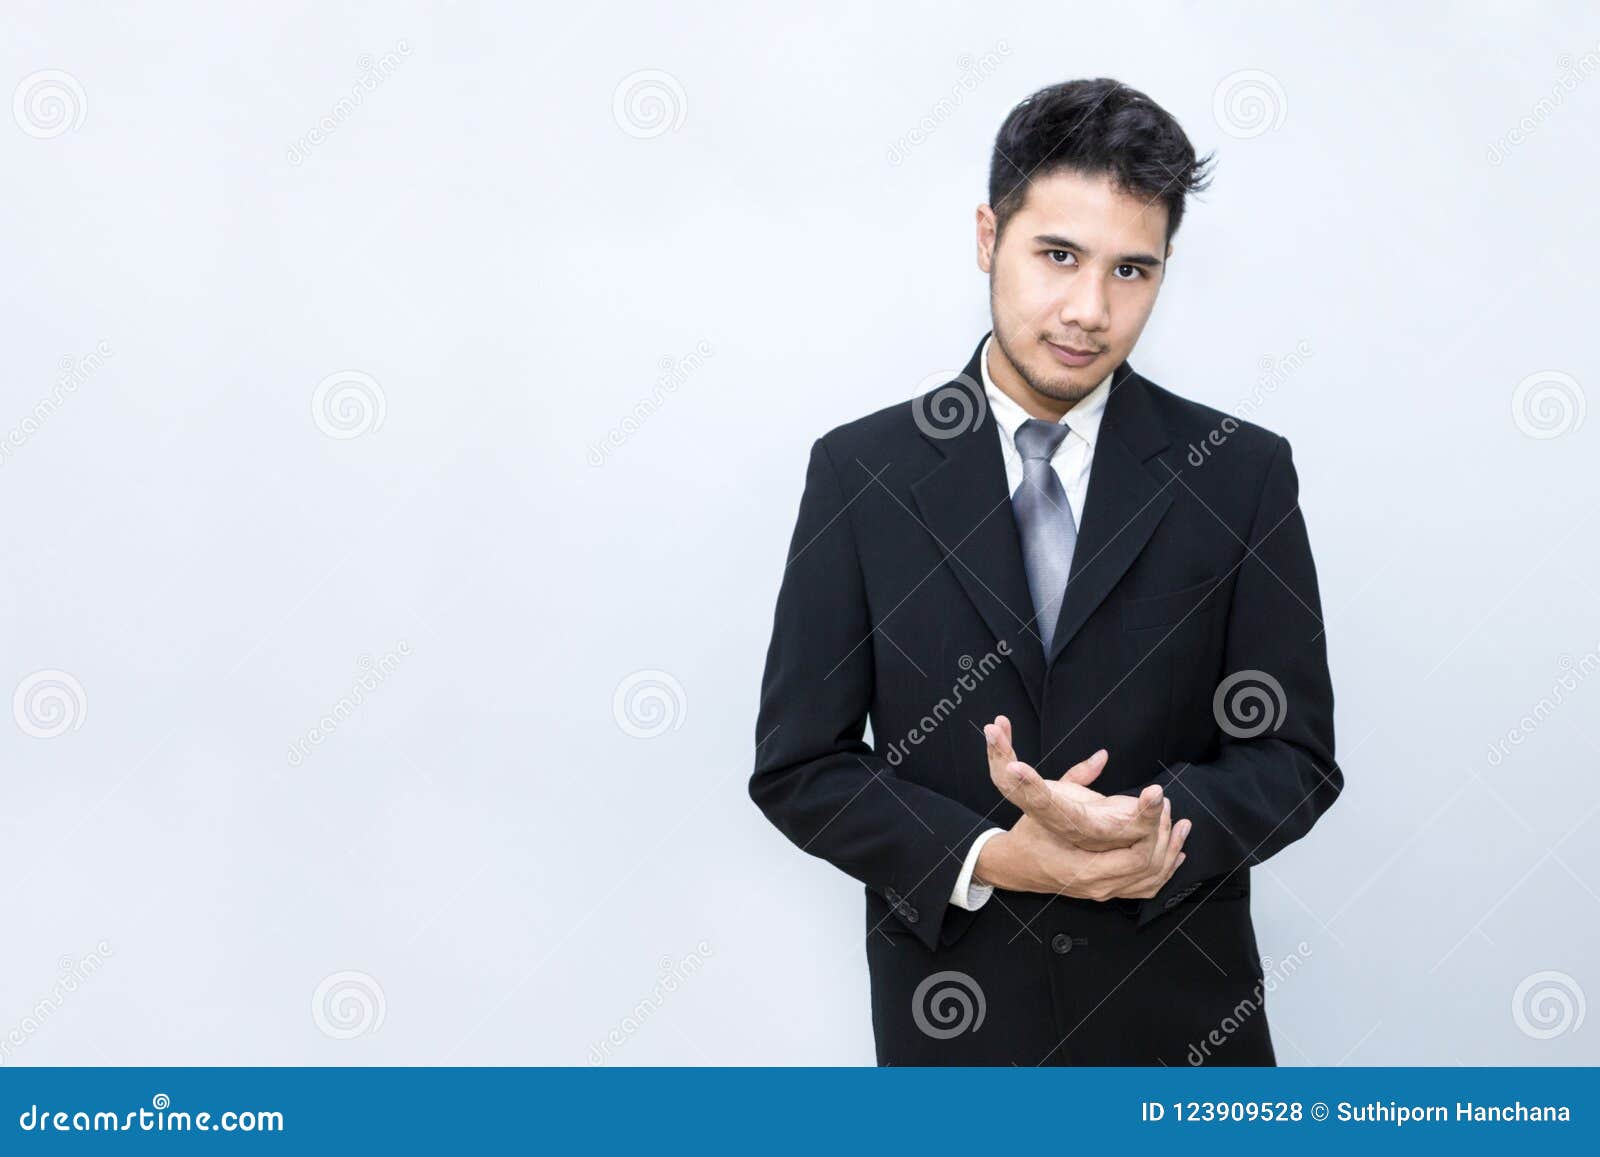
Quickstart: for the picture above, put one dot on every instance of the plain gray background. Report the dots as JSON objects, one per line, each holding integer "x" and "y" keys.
{"x": 339, "y": 374}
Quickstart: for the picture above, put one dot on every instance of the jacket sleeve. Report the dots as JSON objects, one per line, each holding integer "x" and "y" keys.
{"x": 1275, "y": 773}
{"x": 815, "y": 779}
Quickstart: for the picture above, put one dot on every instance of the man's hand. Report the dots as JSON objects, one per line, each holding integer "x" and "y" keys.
{"x": 1072, "y": 841}
{"x": 1067, "y": 807}
{"x": 1029, "y": 859}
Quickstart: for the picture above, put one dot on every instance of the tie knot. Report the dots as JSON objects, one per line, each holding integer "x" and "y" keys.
{"x": 1037, "y": 438}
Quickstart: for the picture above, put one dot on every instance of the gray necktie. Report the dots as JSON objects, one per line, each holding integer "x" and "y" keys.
{"x": 1044, "y": 520}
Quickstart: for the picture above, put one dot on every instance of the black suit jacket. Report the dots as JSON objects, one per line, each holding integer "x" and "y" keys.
{"x": 1189, "y": 645}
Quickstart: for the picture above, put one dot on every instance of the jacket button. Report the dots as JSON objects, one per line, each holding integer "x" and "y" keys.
{"x": 1061, "y": 942}
{"x": 911, "y": 914}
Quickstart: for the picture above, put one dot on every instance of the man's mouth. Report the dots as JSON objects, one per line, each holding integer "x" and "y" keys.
{"x": 1071, "y": 355}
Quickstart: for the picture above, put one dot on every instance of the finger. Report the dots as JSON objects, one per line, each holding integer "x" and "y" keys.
{"x": 1000, "y": 740}
{"x": 1150, "y": 799}
{"x": 1158, "y": 849}
{"x": 1147, "y": 817}
{"x": 1138, "y": 861}
{"x": 1116, "y": 821}
{"x": 1126, "y": 864}
{"x": 1007, "y": 742}
{"x": 1180, "y": 833}
{"x": 1024, "y": 786}
{"x": 1159, "y": 867}
{"x": 1089, "y": 770}
{"x": 999, "y": 753}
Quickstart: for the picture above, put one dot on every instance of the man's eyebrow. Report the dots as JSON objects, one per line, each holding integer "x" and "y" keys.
{"x": 1055, "y": 240}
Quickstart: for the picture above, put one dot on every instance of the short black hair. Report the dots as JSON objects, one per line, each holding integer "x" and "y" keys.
{"x": 1095, "y": 127}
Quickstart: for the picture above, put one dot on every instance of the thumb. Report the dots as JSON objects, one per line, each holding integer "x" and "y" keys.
{"x": 1026, "y": 788}
{"x": 1089, "y": 770}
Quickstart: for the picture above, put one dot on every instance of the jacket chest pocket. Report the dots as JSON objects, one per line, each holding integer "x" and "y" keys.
{"x": 1171, "y": 640}
{"x": 1201, "y": 600}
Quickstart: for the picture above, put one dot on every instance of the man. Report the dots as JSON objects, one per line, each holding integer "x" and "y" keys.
{"x": 1082, "y": 617}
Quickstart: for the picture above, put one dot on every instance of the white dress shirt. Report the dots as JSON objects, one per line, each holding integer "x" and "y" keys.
{"x": 1071, "y": 462}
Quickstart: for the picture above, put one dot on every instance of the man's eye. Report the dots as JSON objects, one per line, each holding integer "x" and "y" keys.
{"x": 1051, "y": 253}
{"x": 1135, "y": 268}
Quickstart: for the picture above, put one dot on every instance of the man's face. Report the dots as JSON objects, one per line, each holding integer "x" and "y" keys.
{"x": 1077, "y": 269}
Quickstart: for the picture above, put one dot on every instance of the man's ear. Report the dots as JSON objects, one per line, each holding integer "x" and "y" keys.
{"x": 986, "y": 238}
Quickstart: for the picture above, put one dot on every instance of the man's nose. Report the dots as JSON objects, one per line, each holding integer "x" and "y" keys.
{"x": 1086, "y": 304}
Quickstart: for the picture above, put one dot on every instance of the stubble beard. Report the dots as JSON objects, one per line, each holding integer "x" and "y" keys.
{"x": 1055, "y": 389}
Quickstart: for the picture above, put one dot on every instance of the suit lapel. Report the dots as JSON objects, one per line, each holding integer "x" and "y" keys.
{"x": 965, "y": 504}
{"x": 1124, "y": 504}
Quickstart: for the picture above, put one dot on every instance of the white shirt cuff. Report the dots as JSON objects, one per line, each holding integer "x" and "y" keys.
{"x": 967, "y": 894}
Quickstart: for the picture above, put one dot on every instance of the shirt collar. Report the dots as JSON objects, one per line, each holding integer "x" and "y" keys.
{"x": 1083, "y": 418}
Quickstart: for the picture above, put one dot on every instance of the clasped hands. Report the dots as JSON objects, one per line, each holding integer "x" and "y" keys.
{"x": 1073, "y": 841}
